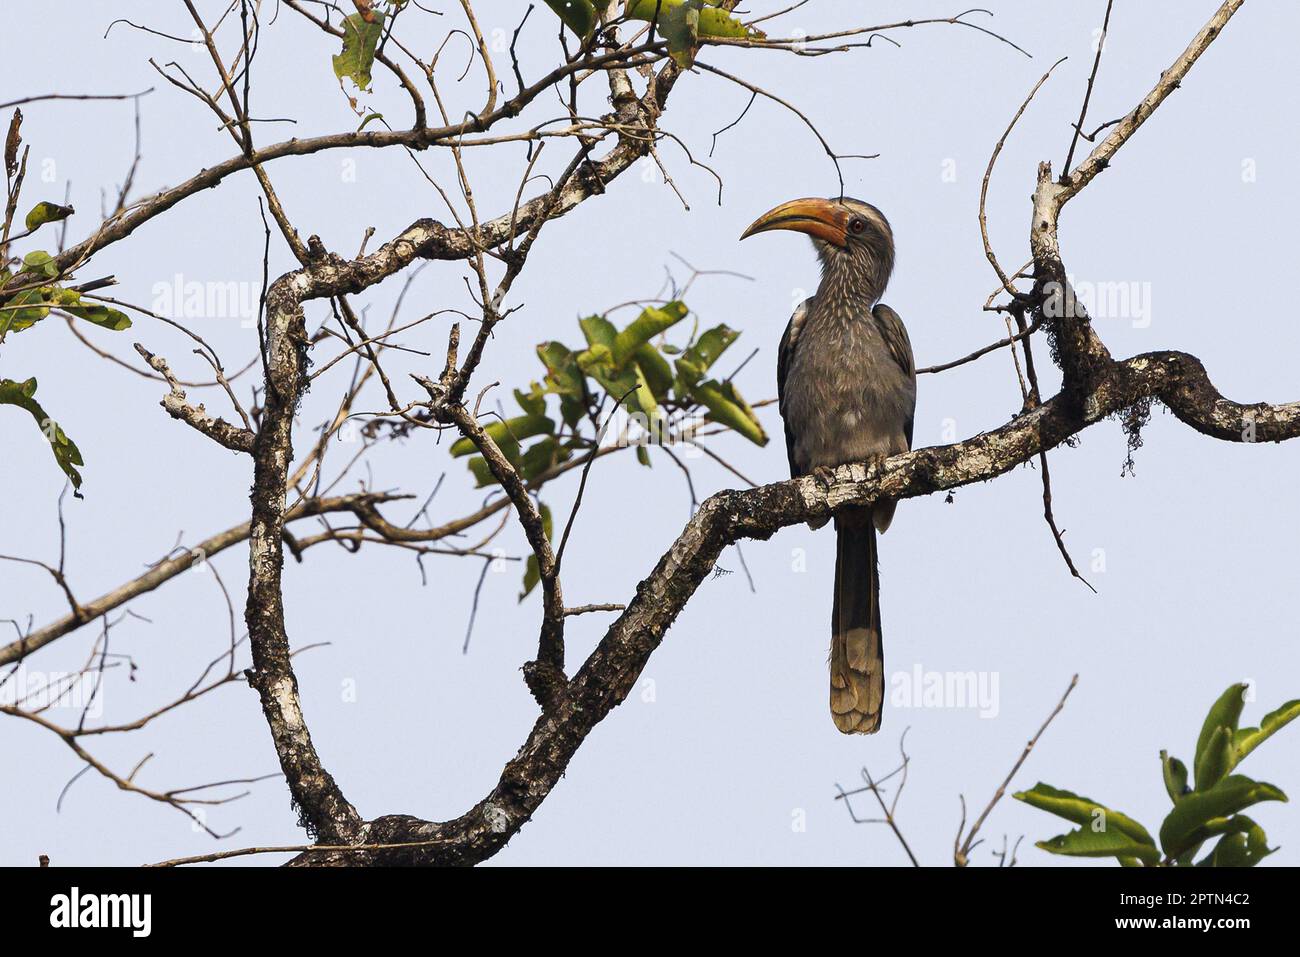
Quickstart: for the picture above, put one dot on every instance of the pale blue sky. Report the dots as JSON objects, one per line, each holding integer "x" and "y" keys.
{"x": 734, "y": 744}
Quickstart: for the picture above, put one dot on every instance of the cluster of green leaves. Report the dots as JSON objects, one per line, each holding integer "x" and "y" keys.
{"x": 1208, "y": 810}
{"x": 636, "y": 367}
{"x": 34, "y": 290}
{"x": 680, "y": 22}
{"x": 27, "y": 294}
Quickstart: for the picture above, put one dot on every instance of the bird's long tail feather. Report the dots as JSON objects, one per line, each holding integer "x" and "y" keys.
{"x": 857, "y": 657}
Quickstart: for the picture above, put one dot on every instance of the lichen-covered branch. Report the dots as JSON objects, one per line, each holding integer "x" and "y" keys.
{"x": 324, "y": 811}
{"x": 610, "y": 673}
{"x": 551, "y": 643}
{"x": 196, "y": 417}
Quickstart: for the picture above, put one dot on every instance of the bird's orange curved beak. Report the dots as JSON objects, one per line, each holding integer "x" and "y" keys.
{"x": 821, "y": 218}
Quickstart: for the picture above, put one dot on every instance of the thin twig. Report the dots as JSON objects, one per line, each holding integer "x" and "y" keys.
{"x": 962, "y": 848}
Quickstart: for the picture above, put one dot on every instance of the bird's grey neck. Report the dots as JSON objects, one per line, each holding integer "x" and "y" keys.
{"x": 858, "y": 278}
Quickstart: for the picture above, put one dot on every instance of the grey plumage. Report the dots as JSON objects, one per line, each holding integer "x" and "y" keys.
{"x": 847, "y": 390}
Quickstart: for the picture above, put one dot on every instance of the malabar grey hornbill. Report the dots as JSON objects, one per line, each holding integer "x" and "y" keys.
{"x": 846, "y": 383}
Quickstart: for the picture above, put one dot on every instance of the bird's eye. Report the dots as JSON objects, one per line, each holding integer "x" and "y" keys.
{"x": 857, "y": 225}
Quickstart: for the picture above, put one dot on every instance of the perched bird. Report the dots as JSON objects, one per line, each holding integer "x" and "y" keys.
{"x": 846, "y": 383}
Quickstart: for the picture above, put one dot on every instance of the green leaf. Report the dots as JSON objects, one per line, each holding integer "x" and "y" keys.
{"x": 578, "y": 15}
{"x": 631, "y": 389}
{"x": 622, "y": 385}
{"x": 652, "y": 321}
{"x": 702, "y": 354}
{"x": 1084, "y": 811}
{"x": 541, "y": 457}
{"x": 533, "y": 401}
{"x": 571, "y": 410}
{"x": 711, "y": 344}
{"x": 482, "y": 473}
{"x": 1189, "y": 823}
{"x": 40, "y": 263}
{"x": 16, "y": 320}
{"x": 532, "y": 573}
{"x": 360, "y": 37}
{"x": 562, "y": 373}
{"x": 66, "y": 454}
{"x": 656, "y": 370}
{"x": 643, "y": 456}
{"x": 45, "y": 212}
{"x": 643, "y": 398}
{"x": 599, "y": 332}
{"x": 1085, "y": 842}
{"x": 101, "y": 316}
{"x": 599, "y": 359}
{"x": 688, "y": 374}
{"x": 683, "y": 22}
{"x": 511, "y": 431}
{"x": 1175, "y": 774}
{"x": 726, "y": 407}
{"x": 480, "y": 469}
{"x": 1215, "y": 760}
{"x": 1244, "y": 845}
{"x": 1225, "y": 712}
{"x": 1247, "y": 740}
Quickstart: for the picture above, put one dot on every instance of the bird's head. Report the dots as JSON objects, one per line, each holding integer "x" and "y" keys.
{"x": 853, "y": 239}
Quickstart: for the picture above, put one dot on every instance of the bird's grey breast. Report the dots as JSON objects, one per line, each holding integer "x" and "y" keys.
{"x": 846, "y": 397}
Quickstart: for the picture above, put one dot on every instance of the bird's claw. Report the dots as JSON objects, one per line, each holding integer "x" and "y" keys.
{"x": 824, "y": 474}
